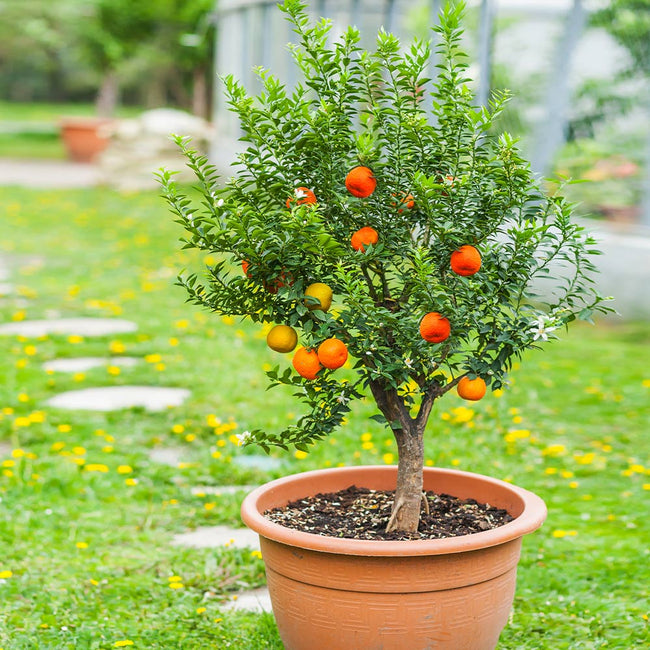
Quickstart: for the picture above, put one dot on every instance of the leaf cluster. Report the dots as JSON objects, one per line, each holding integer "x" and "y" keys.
{"x": 423, "y": 138}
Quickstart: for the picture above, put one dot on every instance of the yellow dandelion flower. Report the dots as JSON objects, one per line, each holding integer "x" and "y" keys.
{"x": 7, "y": 410}
{"x": 116, "y": 347}
{"x": 559, "y": 533}
{"x": 178, "y": 428}
{"x": 173, "y": 341}
{"x": 78, "y": 376}
{"x": 123, "y": 643}
{"x": 108, "y": 449}
{"x": 23, "y": 397}
{"x": 388, "y": 458}
{"x": 256, "y": 554}
{"x": 152, "y": 358}
{"x": 176, "y": 585}
{"x": 182, "y": 324}
{"x": 96, "y": 467}
{"x": 554, "y": 450}
{"x": 8, "y": 463}
{"x": 160, "y": 367}
{"x": 455, "y": 462}
{"x": 113, "y": 370}
{"x": 227, "y": 320}
{"x": 300, "y": 455}
{"x": 64, "y": 428}
{"x": 210, "y": 506}
{"x": 22, "y": 422}
{"x": 124, "y": 469}
{"x": 646, "y": 383}
{"x": 216, "y": 454}
{"x": 175, "y": 579}
{"x": 573, "y": 485}
{"x": 81, "y": 545}
{"x": 77, "y": 461}
{"x": 200, "y": 610}
{"x": 78, "y": 451}
{"x": 131, "y": 482}
{"x": 365, "y": 437}
{"x": 57, "y": 446}
{"x": 30, "y": 350}
{"x": 566, "y": 473}
{"x": 7, "y": 472}
{"x": 6, "y": 574}
{"x": 22, "y": 363}
{"x": 75, "y": 338}
{"x": 17, "y": 453}
{"x": 19, "y": 315}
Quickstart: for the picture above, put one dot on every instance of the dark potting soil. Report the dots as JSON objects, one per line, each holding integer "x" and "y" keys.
{"x": 359, "y": 513}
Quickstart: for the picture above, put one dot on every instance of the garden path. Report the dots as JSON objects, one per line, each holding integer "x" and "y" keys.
{"x": 47, "y": 174}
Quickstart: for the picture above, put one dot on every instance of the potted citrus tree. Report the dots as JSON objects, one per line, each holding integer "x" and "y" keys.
{"x": 376, "y": 219}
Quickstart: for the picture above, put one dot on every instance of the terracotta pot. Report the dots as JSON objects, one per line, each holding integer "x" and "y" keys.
{"x": 344, "y": 594}
{"x": 85, "y": 137}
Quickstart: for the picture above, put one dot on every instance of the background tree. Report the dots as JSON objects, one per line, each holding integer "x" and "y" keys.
{"x": 430, "y": 232}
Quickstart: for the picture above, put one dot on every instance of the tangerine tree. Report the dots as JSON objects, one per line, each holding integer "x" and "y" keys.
{"x": 388, "y": 192}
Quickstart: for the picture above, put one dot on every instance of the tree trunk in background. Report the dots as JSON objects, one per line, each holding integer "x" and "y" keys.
{"x": 107, "y": 96}
{"x": 200, "y": 99}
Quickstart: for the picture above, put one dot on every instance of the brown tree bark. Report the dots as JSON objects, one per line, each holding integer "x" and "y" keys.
{"x": 409, "y": 434}
{"x": 107, "y": 96}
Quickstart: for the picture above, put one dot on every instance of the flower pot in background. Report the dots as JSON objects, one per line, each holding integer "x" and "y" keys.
{"x": 85, "y": 137}
{"x": 447, "y": 594}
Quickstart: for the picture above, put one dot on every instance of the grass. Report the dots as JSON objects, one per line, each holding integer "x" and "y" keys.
{"x": 86, "y": 517}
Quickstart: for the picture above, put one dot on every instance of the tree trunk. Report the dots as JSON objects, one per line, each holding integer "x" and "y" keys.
{"x": 409, "y": 434}
{"x": 405, "y": 515}
{"x": 200, "y": 104}
{"x": 106, "y": 101}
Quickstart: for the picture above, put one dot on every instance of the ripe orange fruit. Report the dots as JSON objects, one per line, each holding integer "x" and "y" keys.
{"x": 406, "y": 201}
{"x": 301, "y": 195}
{"x": 244, "y": 267}
{"x": 471, "y": 389}
{"x": 320, "y": 291}
{"x": 434, "y": 327}
{"x": 360, "y": 182}
{"x": 306, "y": 363}
{"x": 364, "y": 237}
{"x": 282, "y": 338}
{"x": 332, "y": 353}
{"x": 466, "y": 260}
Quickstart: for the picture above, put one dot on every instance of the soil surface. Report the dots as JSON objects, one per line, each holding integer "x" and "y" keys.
{"x": 359, "y": 513}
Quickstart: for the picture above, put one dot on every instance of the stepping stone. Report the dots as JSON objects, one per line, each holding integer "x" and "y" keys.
{"x": 6, "y": 289}
{"x": 261, "y": 462}
{"x": 80, "y": 364}
{"x": 218, "y": 536}
{"x": 5, "y": 448}
{"x": 79, "y": 326}
{"x": 257, "y": 600}
{"x": 114, "y": 398}
{"x": 222, "y": 489}
{"x": 171, "y": 456}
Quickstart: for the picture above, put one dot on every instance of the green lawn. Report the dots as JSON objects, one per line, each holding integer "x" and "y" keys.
{"x": 86, "y": 518}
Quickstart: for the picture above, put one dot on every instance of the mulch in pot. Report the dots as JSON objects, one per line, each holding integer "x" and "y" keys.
{"x": 360, "y": 513}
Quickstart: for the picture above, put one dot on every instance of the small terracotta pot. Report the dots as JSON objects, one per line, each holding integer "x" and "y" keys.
{"x": 450, "y": 594}
{"x": 84, "y": 137}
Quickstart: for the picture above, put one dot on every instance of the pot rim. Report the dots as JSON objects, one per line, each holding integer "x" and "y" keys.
{"x": 531, "y": 518}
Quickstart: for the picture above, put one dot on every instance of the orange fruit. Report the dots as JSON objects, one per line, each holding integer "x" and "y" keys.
{"x": 332, "y": 353}
{"x": 471, "y": 389}
{"x": 301, "y": 195}
{"x": 322, "y": 292}
{"x": 306, "y": 363}
{"x": 434, "y": 327}
{"x": 364, "y": 237}
{"x": 406, "y": 201}
{"x": 465, "y": 261}
{"x": 282, "y": 338}
{"x": 360, "y": 182}
{"x": 244, "y": 267}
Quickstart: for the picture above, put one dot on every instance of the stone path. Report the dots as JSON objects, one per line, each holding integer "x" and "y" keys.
{"x": 257, "y": 600}
{"x": 217, "y": 537}
{"x": 222, "y": 489}
{"x": 79, "y": 364}
{"x": 113, "y": 398}
{"x": 47, "y": 174}
{"x": 76, "y": 326}
{"x": 171, "y": 456}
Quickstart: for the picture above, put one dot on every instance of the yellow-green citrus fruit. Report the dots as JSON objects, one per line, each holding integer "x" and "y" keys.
{"x": 322, "y": 293}
{"x": 282, "y": 338}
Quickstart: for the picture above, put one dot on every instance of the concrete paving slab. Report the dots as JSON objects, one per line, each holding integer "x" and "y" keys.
{"x": 77, "y": 326}
{"x": 47, "y": 174}
{"x": 257, "y": 600}
{"x": 222, "y": 489}
{"x": 114, "y": 398}
{"x": 79, "y": 364}
{"x": 5, "y": 448}
{"x": 171, "y": 456}
{"x": 218, "y": 537}
{"x": 257, "y": 461}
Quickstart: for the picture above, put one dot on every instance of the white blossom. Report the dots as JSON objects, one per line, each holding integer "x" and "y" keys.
{"x": 541, "y": 329}
{"x": 243, "y": 438}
